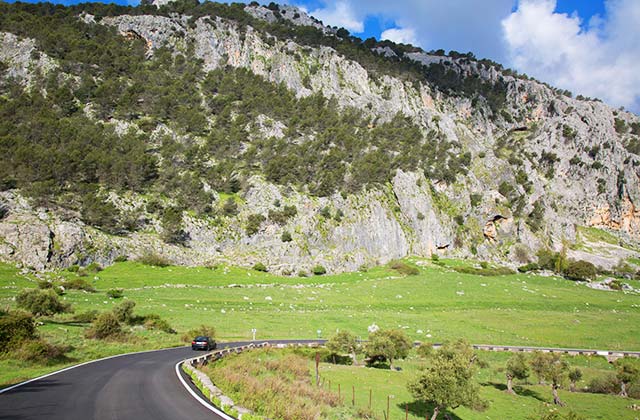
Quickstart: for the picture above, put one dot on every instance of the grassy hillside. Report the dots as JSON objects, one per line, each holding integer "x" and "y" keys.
{"x": 436, "y": 305}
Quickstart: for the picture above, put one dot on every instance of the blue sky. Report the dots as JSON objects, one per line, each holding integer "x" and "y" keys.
{"x": 589, "y": 47}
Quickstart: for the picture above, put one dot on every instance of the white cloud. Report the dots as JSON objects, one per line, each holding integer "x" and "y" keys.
{"x": 401, "y": 35}
{"x": 340, "y": 14}
{"x": 460, "y": 25}
{"x": 602, "y": 60}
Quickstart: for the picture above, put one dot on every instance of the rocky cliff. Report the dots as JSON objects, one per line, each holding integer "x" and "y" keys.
{"x": 538, "y": 163}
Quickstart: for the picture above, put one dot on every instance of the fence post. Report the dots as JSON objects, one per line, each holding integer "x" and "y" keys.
{"x": 388, "y": 412}
{"x": 353, "y": 395}
{"x": 406, "y": 412}
{"x": 339, "y": 396}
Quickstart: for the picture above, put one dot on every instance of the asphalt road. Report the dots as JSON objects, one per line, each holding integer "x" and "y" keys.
{"x": 141, "y": 386}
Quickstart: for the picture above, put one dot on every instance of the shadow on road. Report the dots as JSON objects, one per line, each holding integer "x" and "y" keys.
{"x": 37, "y": 386}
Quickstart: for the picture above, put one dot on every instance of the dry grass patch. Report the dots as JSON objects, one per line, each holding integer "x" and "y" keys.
{"x": 274, "y": 383}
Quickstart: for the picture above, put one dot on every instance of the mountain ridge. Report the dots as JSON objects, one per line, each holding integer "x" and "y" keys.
{"x": 458, "y": 158}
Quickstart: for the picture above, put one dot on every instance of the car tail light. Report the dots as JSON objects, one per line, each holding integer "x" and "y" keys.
{"x": 193, "y": 342}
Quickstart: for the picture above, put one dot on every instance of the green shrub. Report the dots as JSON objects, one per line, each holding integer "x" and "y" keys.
{"x": 281, "y": 217}
{"x": 155, "y": 322}
{"x": 41, "y": 302}
{"x": 424, "y": 350}
{"x": 15, "y": 327}
{"x": 435, "y": 257}
{"x": 154, "y": 260}
{"x": 319, "y": 270}
{"x": 121, "y": 258}
{"x": 172, "y": 231}
{"x": 580, "y": 270}
{"x": 494, "y": 271}
{"x": 253, "y": 223}
{"x": 124, "y": 311}
{"x": 39, "y": 351}
{"x": 85, "y": 317}
{"x": 484, "y": 264}
{"x": 106, "y": 325}
{"x": 115, "y": 293}
{"x": 302, "y": 273}
{"x": 325, "y": 212}
{"x": 528, "y": 267}
{"x": 230, "y": 207}
{"x": 607, "y": 384}
{"x": 44, "y": 284}
{"x": 94, "y": 267}
{"x": 74, "y": 268}
{"x": 286, "y": 236}
{"x": 620, "y": 126}
{"x": 204, "y": 330}
{"x": 548, "y": 260}
{"x": 260, "y": 267}
{"x": 78, "y": 284}
{"x": 403, "y": 268}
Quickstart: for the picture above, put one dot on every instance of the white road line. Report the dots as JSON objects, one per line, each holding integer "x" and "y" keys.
{"x": 2, "y": 391}
{"x": 197, "y": 397}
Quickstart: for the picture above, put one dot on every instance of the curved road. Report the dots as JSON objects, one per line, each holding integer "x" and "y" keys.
{"x": 140, "y": 386}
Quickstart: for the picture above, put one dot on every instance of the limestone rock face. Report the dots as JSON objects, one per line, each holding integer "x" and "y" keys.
{"x": 543, "y": 165}
{"x": 22, "y": 58}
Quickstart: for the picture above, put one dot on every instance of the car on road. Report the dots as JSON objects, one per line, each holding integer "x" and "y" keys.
{"x": 203, "y": 343}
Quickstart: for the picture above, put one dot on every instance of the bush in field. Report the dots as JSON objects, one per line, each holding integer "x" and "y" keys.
{"x": 86, "y": 317}
{"x": 78, "y": 284}
{"x": 319, "y": 270}
{"x": 106, "y": 325}
{"x": 154, "y": 260}
{"x": 205, "y": 330}
{"x": 403, "y": 268}
{"x": 39, "y": 351}
{"x": 41, "y": 302}
{"x": 154, "y": 322}
{"x": 580, "y": 270}
{"x": 425, "y": 350}
{"x": 115, "y": 293}
{"x": 607, "y": 384}
{"x": 260, "y": 267}
{"x": 94, "y": 267}
{"x": 124, "y": 311}
{"x": 15, "y": 327}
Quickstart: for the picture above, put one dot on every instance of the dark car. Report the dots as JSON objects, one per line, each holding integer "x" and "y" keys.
{"x": 203, "y": 343}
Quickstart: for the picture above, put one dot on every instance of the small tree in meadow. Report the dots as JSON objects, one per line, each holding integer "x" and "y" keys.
{"x": 574, "y": 376}
{"x": 627, "y": 373}
{"x": 344, "y": 342}
{"x": 555, "y": 371}
{"x": 517, "y": 368}
{"x": 448, "y": 382}
{"x": 390, "y": 344}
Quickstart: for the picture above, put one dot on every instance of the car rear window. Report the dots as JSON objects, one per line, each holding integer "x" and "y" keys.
{"x": 201, "y": 338}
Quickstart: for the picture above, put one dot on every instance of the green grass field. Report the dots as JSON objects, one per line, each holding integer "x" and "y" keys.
{"x": 437, "y": 305}
{"x": 529, "y": 399}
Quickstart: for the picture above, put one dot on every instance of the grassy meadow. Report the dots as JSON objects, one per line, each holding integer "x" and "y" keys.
{"x": 530, "y": 397}
{"x": 436, "y": 305}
